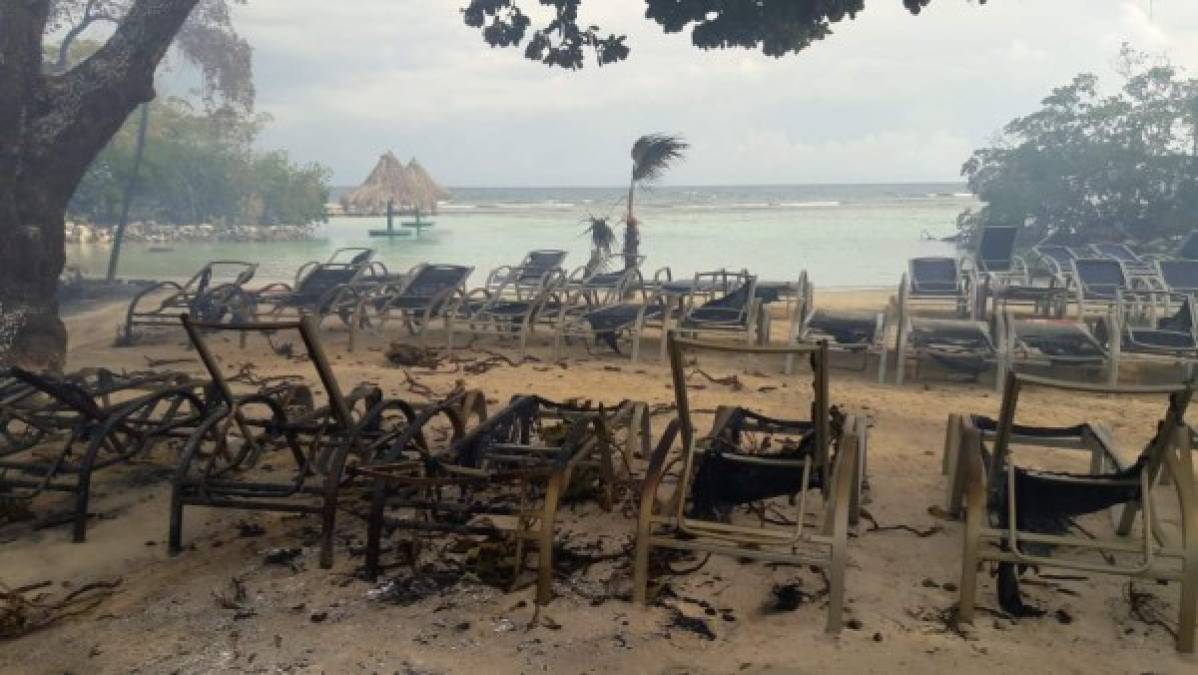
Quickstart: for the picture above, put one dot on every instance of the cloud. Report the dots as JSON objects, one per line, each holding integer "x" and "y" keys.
{"x": 888, "y": 97}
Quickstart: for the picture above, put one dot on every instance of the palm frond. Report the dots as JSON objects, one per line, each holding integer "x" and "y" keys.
{"x": 652, "y": 155}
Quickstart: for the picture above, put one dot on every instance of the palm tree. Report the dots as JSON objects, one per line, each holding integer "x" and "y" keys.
{"x": 602, "y": 239}
{"x": 651, "y": 156}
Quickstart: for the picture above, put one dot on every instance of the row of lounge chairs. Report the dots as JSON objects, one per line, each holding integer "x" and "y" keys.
{"x": 602, "y": 304}
{"x": 451, "y": 466}
{"x": 1124, "y": 306}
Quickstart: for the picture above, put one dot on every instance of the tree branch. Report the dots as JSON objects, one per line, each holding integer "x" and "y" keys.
{"x": 83, "y": 108}
{"x": 89, "y": 18}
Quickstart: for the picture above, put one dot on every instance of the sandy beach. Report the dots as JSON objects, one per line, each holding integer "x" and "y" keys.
{"x": 173, "y": 614}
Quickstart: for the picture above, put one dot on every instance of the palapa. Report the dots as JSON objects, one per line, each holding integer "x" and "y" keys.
{"x": 410, "y": 187}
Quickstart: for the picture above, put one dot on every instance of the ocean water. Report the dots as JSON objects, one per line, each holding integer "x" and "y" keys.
{"x": 845, "y": 236}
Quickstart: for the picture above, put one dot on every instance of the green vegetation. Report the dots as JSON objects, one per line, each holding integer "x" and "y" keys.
{"x": 1090, "y": 166}
{"x": 201, "y": 168}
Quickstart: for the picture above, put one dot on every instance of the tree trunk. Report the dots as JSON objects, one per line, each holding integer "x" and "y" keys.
{"x": 632, "y": 233}
{"x": 114, "y": 259}
{"x": 51, "y": 128}
{"x": 31, "y": 334}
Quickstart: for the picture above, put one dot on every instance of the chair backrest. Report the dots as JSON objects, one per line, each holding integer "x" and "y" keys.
{"x": 1056, "y": 253}
{"x": 1116, "y": 251}
{"x": 324, "y": 277}
{"x": 1188, "y": 249}
{"x": 996, "y": 248}
{"x": 429, "y": 280}
{"x": 1178, "y": 395}
{"x": 735, "y": 293}
{"x": 309, "y": 333}
{"x": 538, "y": 262}
{"x": 1180, "y": 276}
{"x": 682, "y": 350}
{"x": 1099, "y": 276}
{"x": 934, "y": 276}
{"x": 351, "y": 255}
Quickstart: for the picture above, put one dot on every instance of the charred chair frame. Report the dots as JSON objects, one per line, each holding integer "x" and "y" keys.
{"x": 19, "y": 405}
{"x": 824, "y": 545}
{"x": 197, "y": 297}
{"x": 498, "y": 451}
{"x": 1051, "y": 343}
{"x": 321, "y": 441}
{"x": 943, "y": 339}
{"x": 98, "y": 419}
{"x": 1165, "y": 460}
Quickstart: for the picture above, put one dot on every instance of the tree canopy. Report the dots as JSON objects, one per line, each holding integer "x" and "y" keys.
{"x": 777, "y": 27}
{"x": 1092, "y": 166}
{"x": 201, "y": 167}
{"x": 207, "y": 40}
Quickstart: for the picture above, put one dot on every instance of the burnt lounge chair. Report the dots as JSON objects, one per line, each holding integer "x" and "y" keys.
{"x": 334, "y": 287}
{"x": 852, "y": 332}
{"x": 750, "y": 458}
{"x": 1152, "y": 326}
{"x": 506, "y": 476}
{"x": 1050, "y": 344}
{"x": 425, "y": 294}
{"x": 959, "y": 345}
{"x": 733, "y": 307}
{"x": 974, "y": 433}
{"x": 307, "y": 447}
{"x": 1021, "y": 517}
{"x": 529, "y": 274}
{"x": 215, "y": 293}
{"x": 72, "y": 427}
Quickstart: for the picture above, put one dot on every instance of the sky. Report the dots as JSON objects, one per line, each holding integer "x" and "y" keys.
{"x": 889, "y": 97}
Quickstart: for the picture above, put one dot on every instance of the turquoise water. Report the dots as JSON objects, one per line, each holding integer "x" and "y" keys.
{"x": 844, "y": 235}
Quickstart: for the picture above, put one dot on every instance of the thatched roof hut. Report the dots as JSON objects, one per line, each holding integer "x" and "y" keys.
{"x": 410, "y": 187}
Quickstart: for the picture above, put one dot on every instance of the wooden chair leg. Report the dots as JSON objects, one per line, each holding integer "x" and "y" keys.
{"x": 545, "y": 541}
{"x": 969, "y": 558}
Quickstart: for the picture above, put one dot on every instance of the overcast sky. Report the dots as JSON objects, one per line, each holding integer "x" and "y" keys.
{"x": 888, "y": 97}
